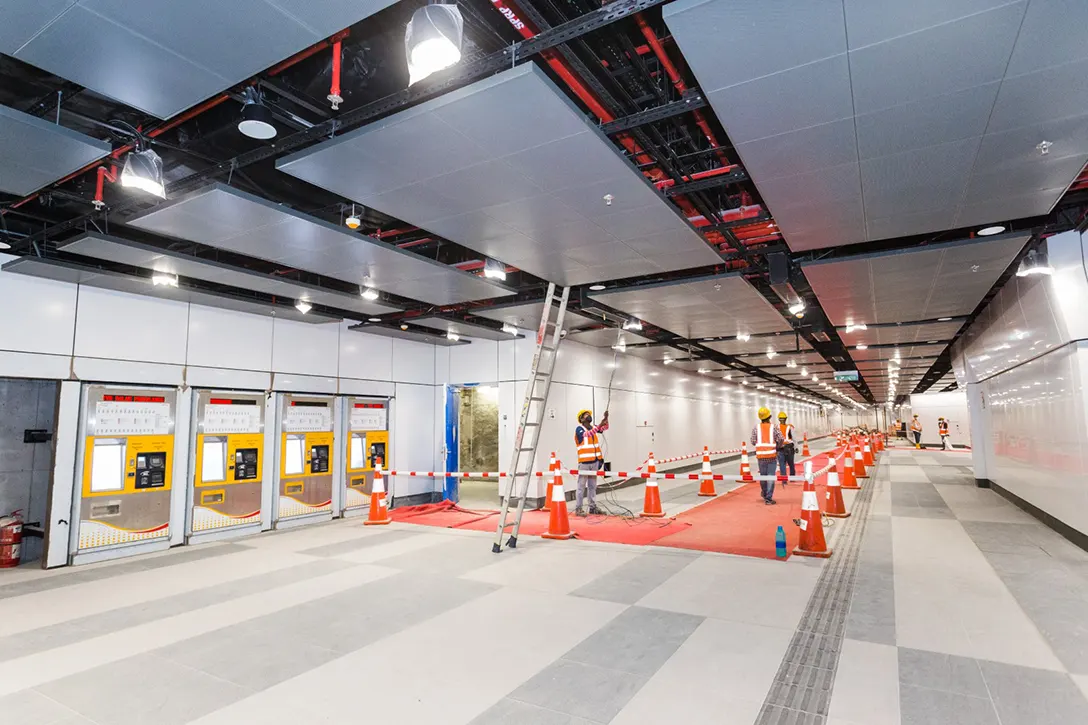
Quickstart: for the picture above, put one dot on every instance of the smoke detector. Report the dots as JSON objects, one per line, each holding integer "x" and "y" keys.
{"x": 352, "y": 222}
{"x": 608, "y": 198}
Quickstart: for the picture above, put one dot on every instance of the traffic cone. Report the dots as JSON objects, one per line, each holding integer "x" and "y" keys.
{"x": 804, "y": 447}
{"x": 706, "y": 483}
{"x": 652, "y": 506}
{"x": 849, "y": 480}
{"x": 551, "y": 483}
{"x": 558, "y": 522}
{"x": 867, "y": 454}
{"x": 745, "y": 469}
{"x": 812, "y": 526}
{"x": 379, "y": 508}
{"x": 880, "y": 442}
{"x": 859, "y": 463}
{"x": 836, "y": 507}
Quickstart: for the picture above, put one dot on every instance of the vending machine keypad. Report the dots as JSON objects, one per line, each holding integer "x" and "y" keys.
{"x": 319, "y": 459}
{"x": 150, "y": 470}
{"x": 245, "y": 464}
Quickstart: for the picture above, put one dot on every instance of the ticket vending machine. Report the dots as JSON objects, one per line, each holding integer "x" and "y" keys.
{"x": 306, "y": 458}
{"x": 367, "y": 438}
{"x": 125, "y": 468}
{"x": 228, "y": 465}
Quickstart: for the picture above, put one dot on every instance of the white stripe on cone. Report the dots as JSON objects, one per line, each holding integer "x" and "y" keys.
{"x": 557, "y": 493}
{"x": 809, "y": 502}
{"x": 832, "y": 479}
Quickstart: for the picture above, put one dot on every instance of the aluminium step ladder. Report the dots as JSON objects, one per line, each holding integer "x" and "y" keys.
{"x": 548, "y": 337}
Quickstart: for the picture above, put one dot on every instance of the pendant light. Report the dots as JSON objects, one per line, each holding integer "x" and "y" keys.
{"x": 256, "y": 118}
{"x": 432, "y": 40}
{"x": 143, "y": 171}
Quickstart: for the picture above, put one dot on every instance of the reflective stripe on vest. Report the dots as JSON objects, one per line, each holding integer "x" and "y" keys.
{"x": 787, "y": 431}
{"x": 589, "y": 449}
{"x": 765, "y": 447}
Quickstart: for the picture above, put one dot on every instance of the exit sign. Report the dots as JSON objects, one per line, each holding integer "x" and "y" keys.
{"x": 846, "y": 376}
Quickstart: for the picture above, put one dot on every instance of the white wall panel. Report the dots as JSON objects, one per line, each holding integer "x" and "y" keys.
{"x": 414, "y": 437}
{"x": 477, "y": 362}
{"x": 34, "y": 365}
{"x": 227, "y": 379}
{"x": 952, "y": 406}
{"x": 441, "y": 365}
{"x": 119, "y": 326}
{"x": 413, "y": 362}
{"x": 229, "y": 339}
{"x": 296, "y": 383}
{"x": 381, "y": 388}
{"x": 298, "y": 347}
{"x": 39, "y": 315}
{"x": 92, "y": 369}
{"x": 363, "y": 356}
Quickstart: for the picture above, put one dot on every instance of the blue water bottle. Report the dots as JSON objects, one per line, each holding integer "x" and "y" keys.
{"x": 780, "y": 543}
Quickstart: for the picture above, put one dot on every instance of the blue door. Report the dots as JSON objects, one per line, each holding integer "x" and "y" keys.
{"x": 453, "y": 441}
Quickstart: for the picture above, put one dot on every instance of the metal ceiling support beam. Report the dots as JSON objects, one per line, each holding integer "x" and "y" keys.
{"x": 912, "y": 323}
{"x": 691, "y": 101}
{"x": 733, "y": 177}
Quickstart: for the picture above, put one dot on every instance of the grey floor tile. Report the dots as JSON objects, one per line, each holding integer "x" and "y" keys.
{"x": 29, "y": 706}
{"x": 508, "y": 712}
{"x": 365, "y": 540}
{"x": 175, "y": 695}
{"x": 922, "y": 706}
{"x": 452, "y": 558}
{"x": 1026, "y": 696}
{"x": 937, "y": 671}
{"x": 639, "y": 640}
{"x": 633, "y": 580}
{"x": 593, "y": 693}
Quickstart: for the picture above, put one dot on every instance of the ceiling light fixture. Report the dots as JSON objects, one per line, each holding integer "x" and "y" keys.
{"x": 804, "y": 371}
{"x": 944, "y": 319}
{"x": 851, "y": 328}
{"x": 143, "y": 171}
{"x": 4, "y": 245}
{"x": 633, "y": 325}
{"x": 771, "y": 354}
{"x": 797, "y": 309}
{"x": 403, "y": 326}
{"x": 861, "y": 347}
{"x": 353, "y": 222}
{"x": 596, "y": 287}
{"x": 432, "y": 40}
{"x": 256, "y": 118}
{"x": 303, "y": 306}
{"x": 451, "y": 335}
{"x": 509, "y": 329}
{"x": 1035, "y": 263}
{"x": 493, "y": 268}
{"x": 990, "y": 231}
{"x": 369, "y": 293}
{"x": 620, "y": 346}
{"x": 743, "y": 336}
{"x": 165, "y": 280}
{"x": 667, "y": 361}
{"x": 374, "y": 319}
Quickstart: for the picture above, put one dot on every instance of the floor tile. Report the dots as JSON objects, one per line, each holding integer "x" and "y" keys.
{"x": 866, "y": 686}
{"x": 452, "y": 558}
{"x": 1025, "y": 696}
{"x": 363, "y": 538}
{"x": 587, "y": 691}
{"x": 938, "y": 671}
{"x": 920, "y": 706}
{"x": 507, "y": 711}
{"x": 638, "y": 641}
{"x": 29, "y": 706}
{"x": 636, "y": 578}
{"x": 558, "y": 567}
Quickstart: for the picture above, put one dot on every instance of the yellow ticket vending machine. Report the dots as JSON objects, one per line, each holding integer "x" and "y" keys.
{"x": 228, "y": 465}
{"x": 305, "y": 457}
{"x": 367, "y": 448}
{"x": 126, "y": 461}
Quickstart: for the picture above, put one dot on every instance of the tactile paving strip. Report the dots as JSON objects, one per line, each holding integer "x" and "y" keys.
{"x": 801, "y": 691}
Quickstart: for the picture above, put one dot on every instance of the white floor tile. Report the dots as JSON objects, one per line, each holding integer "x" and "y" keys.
{"x": 866, "y": 684}
{"x": 1082, "y": 683}
{"x": 379, "y": 551}
{"x": 552, "y": 566}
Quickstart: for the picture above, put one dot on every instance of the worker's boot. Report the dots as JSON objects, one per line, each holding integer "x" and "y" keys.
{"x": 594, "y": 510}
{"x": 580, "y": 512}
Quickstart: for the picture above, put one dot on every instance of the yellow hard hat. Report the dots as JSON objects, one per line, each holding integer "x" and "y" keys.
{"x": 764, "y": 413}
{"x": 582, "y": 412}
{"x": 782, "y": 415}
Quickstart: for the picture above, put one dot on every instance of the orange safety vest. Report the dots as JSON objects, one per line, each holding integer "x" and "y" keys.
{"x": 765, "y": 447}
{"x": 589, "y": 450}
{"x": 916, "y": 424}
{"x": 787, "y": 431}
{"x": 943, "y": 427}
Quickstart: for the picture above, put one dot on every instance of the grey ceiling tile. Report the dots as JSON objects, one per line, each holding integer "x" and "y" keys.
{"x": 870, "y": 22}
{"x": 417, "y": 204}
{"x": 479, "y": 230}
{"x": 766, "y": 36}
{"x": 917, "y": 180}
{"x": 844, "y": 214}
{"x": 572, "y": 234}
{"x": 639, "y": 222}
{"x": 962, "y": 54}
{"x": 677, "y": 260}
{"x": 821, "y": 239}
{"x": 600, "y": 254}
{"x": 526, "y": 315}
{"x": 329, "y": 16}
{"x": 823, "y": 186}
{"x": 1038, "y": 174}
{"x": 356, "y": 175}
{"x": 979, "y": 211}
{"x": 936, "y": 120}
{"x": 533, "y": 214}
{"x": 803, "y": 151}
{"x": 901, "y": 225}
{"x": 805, "y": 96}
{"x": 628, "y": 193}
{"x": 35, "y": 152}
{"x": 1036, "y": 98}
{"x": 1053, "y": 33}
{"x": 571, "y": 161}
{"x": 1010, "y": 151}
{"x": 22, "y": 20}
{"x": 485, "y": 184}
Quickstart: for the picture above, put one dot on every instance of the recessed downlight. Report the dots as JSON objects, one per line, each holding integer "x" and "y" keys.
{"x": 596, "y": 287}
{"x": 990, "y": 231}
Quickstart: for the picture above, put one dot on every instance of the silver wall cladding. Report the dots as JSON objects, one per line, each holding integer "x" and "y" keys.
{"x": 723, "y": 305}
{"x": 1029, "y": 316}
{"x": 876, "y": 119}
{"x": 923, "y": 283}
{"x": 136, "y": 254}
{"x": 79, "y": 274}
{"x": 164, "y": 56}
{"x": 35, "y": 152}
{"x": 509, "y": 167}
{"x": 226, "y": 218}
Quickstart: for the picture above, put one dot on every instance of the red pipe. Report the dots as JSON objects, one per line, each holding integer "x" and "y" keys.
{"x": 103, "y": 175}
{"x": 334, "y": 92}
{"x": 303, "y": 55}
{"x": 743, "y": 212}
{"x": 666, "y": 183}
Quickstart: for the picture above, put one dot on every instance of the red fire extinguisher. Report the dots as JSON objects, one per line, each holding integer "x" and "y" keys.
{"x": 11, "y": 539}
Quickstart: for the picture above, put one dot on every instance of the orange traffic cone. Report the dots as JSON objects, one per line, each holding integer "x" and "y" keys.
{"x": 849, "y": 480}
{"x": 558, "y": 522}
{"x": 804, "y": 447}
{"x": 879, "y": 442}
{"x": 745, "y": 469}
{"x": 551, "y": 483}
{"x": 652, "y": 506}
{"x": 379, "y": 508}
{"x": 812, "y": 525}
{"x": 859, "y": 463}
{"x": 706, "y": 483}
{"x": 836, "y": 507}
{"x": 867, "y": 454}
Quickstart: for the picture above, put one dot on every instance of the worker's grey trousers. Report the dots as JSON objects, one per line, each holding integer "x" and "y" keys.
{"x": 767, "y": 467}
{"x": 587, "y": 482}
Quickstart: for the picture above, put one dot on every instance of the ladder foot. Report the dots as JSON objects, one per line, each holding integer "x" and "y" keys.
{"x": 496, "y": 549}
{"x": 512, "y": 542}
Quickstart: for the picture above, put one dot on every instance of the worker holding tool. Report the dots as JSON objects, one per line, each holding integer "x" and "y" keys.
{"x": 788, "y": 448}
{"x": 916, "y": 431}
{"x": 587, "y": 439}
{"x": 942, "y": 428}
{"x": 767, "y": 438}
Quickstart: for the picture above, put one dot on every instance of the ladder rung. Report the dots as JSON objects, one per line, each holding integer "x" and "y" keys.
{"x": 526, "y": 449}
{"x": 536, "y": 397}
{"x": 532, "y": 424}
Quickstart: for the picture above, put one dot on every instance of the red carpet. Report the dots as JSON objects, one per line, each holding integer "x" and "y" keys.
{"x": 611, "y": 529}
{"x": 740, "y": 523}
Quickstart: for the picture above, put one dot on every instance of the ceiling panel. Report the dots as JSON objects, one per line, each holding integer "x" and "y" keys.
{"x": 761, "y": 359}
{"x": 916, "y": 91}
{"x": 606, "y": 337}
{"x": 123, "y": 251}
{"x": 72, "y": 273}
{"x": 509, "y": 167}
{"x": 413, "y": 335}
{"x": 902, "y": 333}
{"x": 462, "y": 328}
{"x": 946, "y": 280}
{"x": 162, "y": 56}
{"x": 226, "y": 218}
{"x": 35, "y": 153}
{"x": 723, "y": 305}
{"x": 526, "y": 315}
{"x": 778, "y": 343}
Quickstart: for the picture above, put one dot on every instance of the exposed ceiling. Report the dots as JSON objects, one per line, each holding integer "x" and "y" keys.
{"x": 854, "y": 148}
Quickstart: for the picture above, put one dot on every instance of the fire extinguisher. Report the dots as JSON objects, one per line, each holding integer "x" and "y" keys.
{"x": 11, "y": 539}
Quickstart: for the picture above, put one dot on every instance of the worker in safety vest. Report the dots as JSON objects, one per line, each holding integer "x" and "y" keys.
{"x": 916, "y": 431}
{"x": 942, "y": 428}
{"x": 587, "y": 439}
{"x": 767, "y": 438}
{"x": 788, "y": 448}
